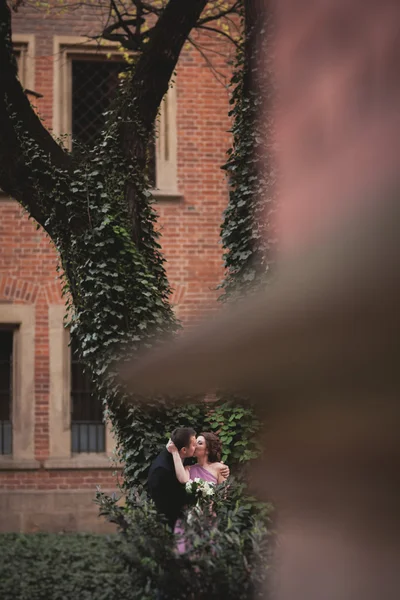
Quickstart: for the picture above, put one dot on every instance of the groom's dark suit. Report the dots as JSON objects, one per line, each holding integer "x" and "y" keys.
{"x": 168, "y": 494}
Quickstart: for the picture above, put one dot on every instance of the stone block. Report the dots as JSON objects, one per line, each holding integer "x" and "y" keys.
{"x": 72, "y": 500}
{"x": 10, "y": 523}
{"x": 90, "y": 522}
{"x": 51, "y": 511}
{"x": 34, "y": 522}
{"x": 25, "y": 500}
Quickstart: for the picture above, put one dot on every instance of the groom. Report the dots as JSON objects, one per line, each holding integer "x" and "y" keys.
{"x": 168, "y": 494}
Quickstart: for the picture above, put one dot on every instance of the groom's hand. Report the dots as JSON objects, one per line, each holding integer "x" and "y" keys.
{"x": 171, "y": 447}
{"x": 225, "y": 471}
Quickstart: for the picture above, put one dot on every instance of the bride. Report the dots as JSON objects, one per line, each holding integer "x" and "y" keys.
{"x": 208, "y": 468}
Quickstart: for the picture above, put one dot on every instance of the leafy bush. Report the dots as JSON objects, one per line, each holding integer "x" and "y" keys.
{"x": 226, "y": 550}
{"x": 62, "y": 567}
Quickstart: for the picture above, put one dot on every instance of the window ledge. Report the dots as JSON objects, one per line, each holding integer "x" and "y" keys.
{"x": 82, "y": 461}
{"x": 9, "y": 463}
{"x": 167, "y": 195}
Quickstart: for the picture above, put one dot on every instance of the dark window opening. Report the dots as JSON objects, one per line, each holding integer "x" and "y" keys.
{"x": 6, "y": 389}
{"x": 88, "y": 432}
{"x": 94, "y": 87}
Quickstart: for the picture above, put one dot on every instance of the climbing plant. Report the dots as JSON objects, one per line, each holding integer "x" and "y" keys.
{"x": 246, "y": 232}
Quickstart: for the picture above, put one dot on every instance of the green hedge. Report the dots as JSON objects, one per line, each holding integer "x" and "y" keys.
{"x": 227, "y": 554}
{"x": 61, "y": 567}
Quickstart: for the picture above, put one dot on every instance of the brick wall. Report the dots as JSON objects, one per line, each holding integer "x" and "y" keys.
{"x": 190, "y": 226}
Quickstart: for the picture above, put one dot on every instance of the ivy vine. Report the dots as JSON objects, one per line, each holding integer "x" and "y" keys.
{"x": 246, "y": 232}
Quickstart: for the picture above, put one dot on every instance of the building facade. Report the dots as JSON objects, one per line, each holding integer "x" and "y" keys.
{"x": 54, "y": 447}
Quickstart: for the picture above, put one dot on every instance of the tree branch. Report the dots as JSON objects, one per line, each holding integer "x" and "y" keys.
{"x": 147, "y": 7}
{"x": 219, "y": 32}
{"x": 231, "y": 10}
{"x": 132, "y": 44}
{"x": 117, "y": 25}
{"x": 127, "y": 23}
{"x": 148, "y": 86}
{"x": 157, "y": 63}
{"x": 220, "y": 77}
{"x": 15, "y": 175}
{"x": 121, "y": 23}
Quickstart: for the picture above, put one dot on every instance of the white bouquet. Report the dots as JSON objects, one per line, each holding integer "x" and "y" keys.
{"x": 200, "y": 489}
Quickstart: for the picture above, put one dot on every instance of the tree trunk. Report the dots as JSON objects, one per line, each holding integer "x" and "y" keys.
{"x": 97, "y": 212}
{"x": 19, "y": 128}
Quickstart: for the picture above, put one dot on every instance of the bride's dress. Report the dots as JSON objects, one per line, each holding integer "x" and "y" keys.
{"x": 194, "y": 471}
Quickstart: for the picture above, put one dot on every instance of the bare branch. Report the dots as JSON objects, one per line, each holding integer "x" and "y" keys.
{"x": 145, "y": 6}
{"x": 121, "y": 22}
{"x": 208, "y": 49}
{"x": 219, "y": 32}
{"x": 156, "y": 65}
{"x": 220, "y": 77}
{"x": 231, "y": 10}
{"x": 132, "y": 24}
{"x": 114, "y": 26}
{"x": 131, "y": 44}
{"x": 16, "y": 5}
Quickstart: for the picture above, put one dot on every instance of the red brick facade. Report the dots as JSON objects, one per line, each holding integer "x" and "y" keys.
{"x": 190, "y": 225}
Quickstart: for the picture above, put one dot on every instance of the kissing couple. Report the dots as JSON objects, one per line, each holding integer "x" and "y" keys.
{"x": 170, "y": 471}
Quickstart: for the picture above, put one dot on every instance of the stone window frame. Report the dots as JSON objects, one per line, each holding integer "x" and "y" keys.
{"x": 24, "y": 44}
{"x": 22, "y": 317}
{"x": 60, "y": 453}
{"x": 65, "y": 48}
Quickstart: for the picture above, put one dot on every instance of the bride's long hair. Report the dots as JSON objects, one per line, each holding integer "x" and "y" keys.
{"x": 213, "y": 445}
